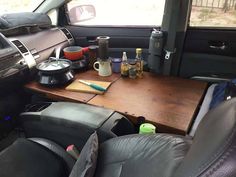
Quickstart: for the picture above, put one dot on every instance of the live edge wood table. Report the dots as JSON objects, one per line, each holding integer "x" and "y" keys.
{"x": 169, "y": 102}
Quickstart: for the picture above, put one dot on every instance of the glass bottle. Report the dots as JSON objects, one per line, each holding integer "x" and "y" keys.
{"x": 124, "y": 66}
{"x": 139, "y": 62}
{"x": 132, "y": 70}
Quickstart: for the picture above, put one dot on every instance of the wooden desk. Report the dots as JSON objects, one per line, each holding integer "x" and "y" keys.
{"x": 64, "y": 95}
{"x": 169, "y": 102}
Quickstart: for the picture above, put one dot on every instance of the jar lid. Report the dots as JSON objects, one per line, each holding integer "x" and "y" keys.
{"x": 132, "y": 62}
{"x": 116, "y": 60}
{"x": 103, "y": 38}
{"x": 138, "y": 50}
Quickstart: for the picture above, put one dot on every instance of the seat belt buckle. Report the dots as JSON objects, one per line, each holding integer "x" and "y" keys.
{"x": 73, "y": 151}
{"x": 169, "y": 53}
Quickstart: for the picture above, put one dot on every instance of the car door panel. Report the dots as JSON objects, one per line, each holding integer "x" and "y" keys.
{"x": 121, "y": 39}
{"x": 209, "y": 52}
{"x": 207, "y": 65}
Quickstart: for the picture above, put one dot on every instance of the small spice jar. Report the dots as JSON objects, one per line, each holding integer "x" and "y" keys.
{"x": 116, "y": 64}
{"x": 132, "y": 70}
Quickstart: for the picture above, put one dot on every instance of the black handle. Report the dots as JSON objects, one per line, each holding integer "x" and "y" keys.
{"x": 91, "y": 39}
{"x": 218, "y": 45}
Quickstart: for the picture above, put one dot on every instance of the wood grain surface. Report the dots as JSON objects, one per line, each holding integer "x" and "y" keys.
{"x": 167, "y": 101}
{"x": 60, "y": 94}
{"x": 77, "y": 86}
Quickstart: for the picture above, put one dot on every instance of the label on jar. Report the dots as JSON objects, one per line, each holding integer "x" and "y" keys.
{"x": 124, "y": 70}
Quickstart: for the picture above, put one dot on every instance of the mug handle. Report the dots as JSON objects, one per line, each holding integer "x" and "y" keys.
{"x": 94, "y": 66}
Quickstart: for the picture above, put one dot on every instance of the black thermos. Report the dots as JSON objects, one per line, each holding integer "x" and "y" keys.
{"x": 103, "y": 43}
{"x": 155, "y": 51}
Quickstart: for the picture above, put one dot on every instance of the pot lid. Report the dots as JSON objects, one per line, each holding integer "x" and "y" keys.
{"x": 53, "y": 64}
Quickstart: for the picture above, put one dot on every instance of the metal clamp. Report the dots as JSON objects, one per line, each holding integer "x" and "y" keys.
{"x": 168, "y": 54}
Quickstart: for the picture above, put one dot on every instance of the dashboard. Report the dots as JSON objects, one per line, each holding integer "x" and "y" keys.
{"x": 19, "y": 55}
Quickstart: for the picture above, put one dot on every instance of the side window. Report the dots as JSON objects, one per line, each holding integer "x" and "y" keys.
{"x": 213, "y": 13}
{"x": 53, "y": 15}
{"x": 116, "y": 12}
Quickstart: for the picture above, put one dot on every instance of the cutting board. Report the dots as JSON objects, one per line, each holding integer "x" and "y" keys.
{"x": 80, "y": 87}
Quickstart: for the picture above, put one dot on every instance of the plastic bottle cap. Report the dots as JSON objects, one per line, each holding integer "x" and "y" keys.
{"x": 132, "y": 62}
{"x": 147, "y": 128}
{"x": 124, "y": 57}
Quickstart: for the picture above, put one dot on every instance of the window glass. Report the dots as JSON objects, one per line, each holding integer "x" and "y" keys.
{"x": 53, "y": 15}
{"x": 11, "y": 6}
{"x": 213, "y": 13}
{"x": 116, "y": 12}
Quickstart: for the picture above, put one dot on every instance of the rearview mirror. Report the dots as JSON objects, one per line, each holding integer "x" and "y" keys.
{"x": 82, "y": 13}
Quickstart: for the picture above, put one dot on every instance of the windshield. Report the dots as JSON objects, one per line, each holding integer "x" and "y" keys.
{"x": 13, "y": 6}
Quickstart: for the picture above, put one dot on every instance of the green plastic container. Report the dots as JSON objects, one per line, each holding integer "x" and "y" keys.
{"x": 147, "y": 128}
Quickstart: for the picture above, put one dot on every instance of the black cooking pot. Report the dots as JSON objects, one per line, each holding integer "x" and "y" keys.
{"x": 54, "y": 72}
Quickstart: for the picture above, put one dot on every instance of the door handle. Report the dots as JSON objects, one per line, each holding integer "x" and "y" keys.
{"x": 217, "y": 45}
{"x": 92, "y": 39}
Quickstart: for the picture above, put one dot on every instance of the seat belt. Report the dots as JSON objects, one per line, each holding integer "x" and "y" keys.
{"x": 170, "y": 48}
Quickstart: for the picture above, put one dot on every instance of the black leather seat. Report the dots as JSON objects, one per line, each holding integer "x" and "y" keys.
{"x": 141, "y": 156}
{"x": 212, "y": 152}
{"x": 26, "y": 158}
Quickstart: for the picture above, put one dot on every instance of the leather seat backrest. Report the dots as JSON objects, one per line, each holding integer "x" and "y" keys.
{"x": 213, "y": 152}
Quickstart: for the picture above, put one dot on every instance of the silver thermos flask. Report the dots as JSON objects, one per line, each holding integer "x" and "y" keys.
{"x": 155, "y": 51}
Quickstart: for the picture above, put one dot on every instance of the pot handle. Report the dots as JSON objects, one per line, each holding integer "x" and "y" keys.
{"x": 94, "y": 66}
